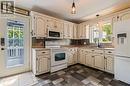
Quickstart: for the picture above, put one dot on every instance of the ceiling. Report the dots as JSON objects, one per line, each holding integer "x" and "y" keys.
{"x": 86, "y": 9}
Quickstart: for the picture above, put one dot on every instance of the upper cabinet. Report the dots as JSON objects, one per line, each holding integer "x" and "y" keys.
{"x": 68, "y": 30}
{"x": 41, "y": 24}
{"x": 75, "y": 31}
{"x": 55, "y": 25}
{"x": 83, "y": 31}
{"x": 125, "y": 16}
{"x": 38, "y": 25}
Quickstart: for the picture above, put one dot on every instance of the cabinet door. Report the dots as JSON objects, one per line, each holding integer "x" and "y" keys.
{"x": 75, "y": 31}
{"x": 109, "y": 63}
{"x": 66, "y": 30}
{"x": 40, "y": 26}
{"x": 79, "y": 34}
{"x": 82, "y": 57}
{"x": 70, "y": 59}
{"x": 90, "y": 60}
{"x": 50, "y": 24}
{"x": 75, "y": 56}
{"x": 125, "y": 16}
{"x": 70, "y": 30}
{"x": 42, "y": 64}
{"x": 99, "y": 61}
{"x": 87, "y": 56}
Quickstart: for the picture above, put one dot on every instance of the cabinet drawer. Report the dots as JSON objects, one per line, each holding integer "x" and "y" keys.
{"x": 88, "y": 50}
{"x": 109, "y": 52}
{"x": 98, "y": 51}
{"x": 41, "y": 52}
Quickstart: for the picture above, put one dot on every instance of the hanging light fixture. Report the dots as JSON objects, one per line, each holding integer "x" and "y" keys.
{"x": 73, "y": 8}
{"x": 97, "y": 19}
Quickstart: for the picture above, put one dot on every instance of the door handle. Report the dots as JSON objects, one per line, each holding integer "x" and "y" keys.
{"x": 2, "y": 48}
{"x": 2, "y": 41}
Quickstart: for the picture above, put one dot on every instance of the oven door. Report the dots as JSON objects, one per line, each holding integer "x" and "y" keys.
{"x": 58, "y": 58}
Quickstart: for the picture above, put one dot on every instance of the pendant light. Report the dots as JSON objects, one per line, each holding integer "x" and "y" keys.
{"x": 73, "y": 8}
{"x": 97, "y": 19}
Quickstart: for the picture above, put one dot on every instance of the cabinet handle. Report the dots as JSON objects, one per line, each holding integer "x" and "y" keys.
{"x": 92, "y": 50}
{"x": 43, "y": 52}
{"x": 109, "y": 52}
{"x": 93, "y": 56}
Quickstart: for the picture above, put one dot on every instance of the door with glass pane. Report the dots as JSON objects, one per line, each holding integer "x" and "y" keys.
{"x": 15, "y": 49}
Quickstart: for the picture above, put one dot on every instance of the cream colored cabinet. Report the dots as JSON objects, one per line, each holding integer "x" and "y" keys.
{"x": 42, "y": 64}
{"x": 72, "y": 56}
{"x": 99, "y": 61}
{"x": 75, "y": 55}
{"x": 68, "y": 30}
{"x": 75, "y": 31}
{"x": 89, "y": 59}
{"x": 125, "y": 16}
{"x": 38, "y": 25}
{"x": 41, "y": 61}
{"x": 109, "y": 63}
{"x": 81, "y": 57}
{"x": 80, "y": 31}
{"x": 55, "y": 25}
{"x": 83, "y": 31}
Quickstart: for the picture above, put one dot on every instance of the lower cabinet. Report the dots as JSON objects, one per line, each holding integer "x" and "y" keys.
{"x": 93, "y": 58}
{"x": 99, "y": 61}
{"x": 72, "y": 56}
{"x": 109, "y": 63}
{"x": 42, "y": 65}
{"x": 41, "y": 61}
{"x": 89, "y": 59}
{"x": 81, "y": 56}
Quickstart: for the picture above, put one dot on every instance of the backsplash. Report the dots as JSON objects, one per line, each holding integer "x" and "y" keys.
{"x": 57, "y": 42}
{"x": 79, "y": 42}
{"x": 38, "y": 42}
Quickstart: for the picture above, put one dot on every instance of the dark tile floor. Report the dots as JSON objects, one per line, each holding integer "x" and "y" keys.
{"x": 78, "y": 75}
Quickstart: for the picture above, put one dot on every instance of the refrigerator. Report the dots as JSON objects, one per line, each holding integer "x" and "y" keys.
{"x": 121, "y": 32}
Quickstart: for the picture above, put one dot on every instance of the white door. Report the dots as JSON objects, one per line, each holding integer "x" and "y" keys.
{"x": 14, "y": 45}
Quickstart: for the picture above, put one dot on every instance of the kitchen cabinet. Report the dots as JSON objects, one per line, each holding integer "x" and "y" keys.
{"x": 68, "y": 30}
{"x": 38, "y": 25}
{"x": 83, "y": 31}
{"x": 55, "y": 25}
{"x": 99, "y": 61}
{"x": 42, "y": 64}
{"x": 109, "y": 61}
{"x": 81, "y": 57}
{"x": 124, "y": 16}
{"x": 41, "y": 61}
{"x": 75, "y": 31}
{"x": 89, "y": 59}
{"x": 72, "y": 56}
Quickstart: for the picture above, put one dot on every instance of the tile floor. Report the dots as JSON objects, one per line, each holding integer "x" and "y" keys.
{"x": 76, "y": 75}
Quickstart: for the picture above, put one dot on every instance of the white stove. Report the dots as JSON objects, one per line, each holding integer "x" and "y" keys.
{"x": 58, "y": 58}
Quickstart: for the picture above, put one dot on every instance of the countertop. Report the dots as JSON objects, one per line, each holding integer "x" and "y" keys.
{"x": 87, "y": 47}
{"x": 77, "y": 46}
